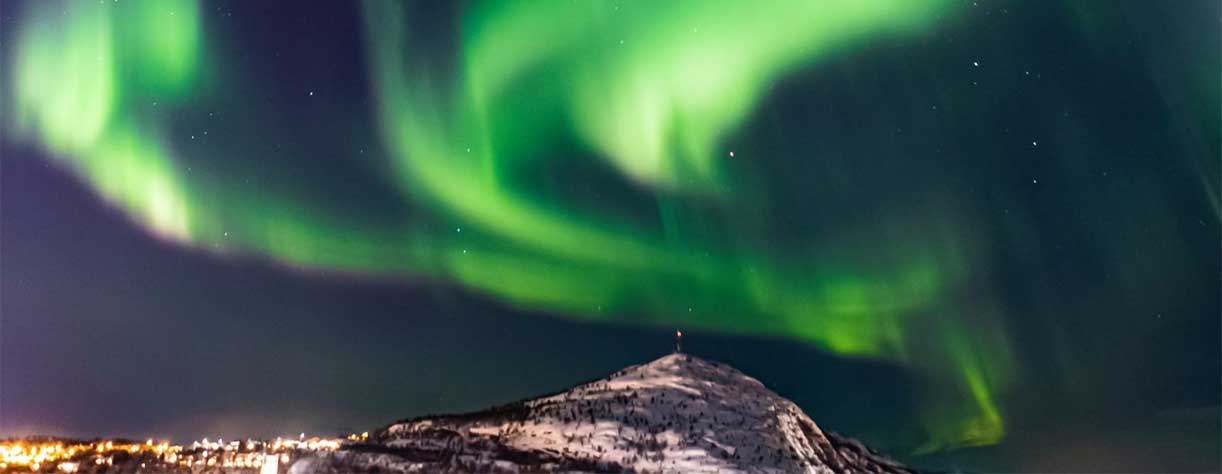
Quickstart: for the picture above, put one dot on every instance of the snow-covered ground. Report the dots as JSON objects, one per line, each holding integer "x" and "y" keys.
{"x": 679, "y": 414}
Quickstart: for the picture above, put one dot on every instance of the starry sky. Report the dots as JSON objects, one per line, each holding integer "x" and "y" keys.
{"x": 965, "y": 232}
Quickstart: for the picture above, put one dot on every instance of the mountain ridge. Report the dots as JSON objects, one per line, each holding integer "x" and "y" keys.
{"x": 678, "y": 413}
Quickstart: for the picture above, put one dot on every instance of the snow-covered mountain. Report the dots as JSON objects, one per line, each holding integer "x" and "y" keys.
{"x": 677, "y": 414}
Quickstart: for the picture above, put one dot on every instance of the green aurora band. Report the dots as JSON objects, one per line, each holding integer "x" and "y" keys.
{"x": 650, "y": 92}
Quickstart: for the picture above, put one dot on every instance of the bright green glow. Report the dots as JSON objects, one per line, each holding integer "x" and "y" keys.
{"x": 123, "y": 157}
{"x": 670, "y": 78}
{"x": 162, "y": 41}
{"x": 654, "y": 107}
{"x": 67, "y": 89}
{"x": 85, "y": 78}
{"x": 982, "y": 361}
{"x": 65, "y": 85}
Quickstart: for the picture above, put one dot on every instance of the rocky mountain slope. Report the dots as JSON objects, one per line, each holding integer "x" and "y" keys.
{"x": 677, "y": 414}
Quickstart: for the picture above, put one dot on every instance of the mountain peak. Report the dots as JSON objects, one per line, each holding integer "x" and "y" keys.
{"x": 678, "y": 413}
{"x": 684, "y": 370}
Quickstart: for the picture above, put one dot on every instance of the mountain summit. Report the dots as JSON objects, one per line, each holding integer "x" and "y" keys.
{"x": 677, "y": 414}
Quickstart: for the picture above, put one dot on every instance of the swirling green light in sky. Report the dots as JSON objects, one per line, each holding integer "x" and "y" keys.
{"x": 70, "y": 89}
{"x": 651, "y": 90}
{"x": 655, "y": 87}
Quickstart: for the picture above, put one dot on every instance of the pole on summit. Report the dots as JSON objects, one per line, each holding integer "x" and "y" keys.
{"x": 678, "y": 342}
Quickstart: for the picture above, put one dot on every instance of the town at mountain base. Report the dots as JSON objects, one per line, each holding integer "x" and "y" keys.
{"x": 677, "y": 414}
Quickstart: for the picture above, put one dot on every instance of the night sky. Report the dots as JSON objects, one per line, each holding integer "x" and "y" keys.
{"x": 978, "y": 235}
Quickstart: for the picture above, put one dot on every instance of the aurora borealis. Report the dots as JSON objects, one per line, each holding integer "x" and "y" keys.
{"x": 976, "y": 195}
